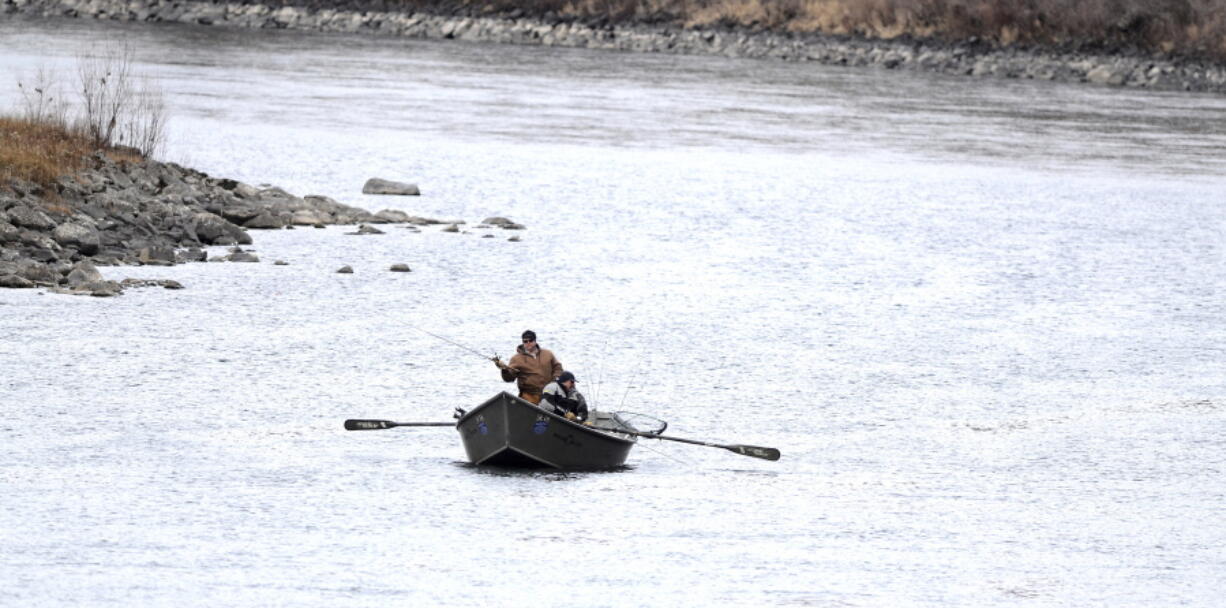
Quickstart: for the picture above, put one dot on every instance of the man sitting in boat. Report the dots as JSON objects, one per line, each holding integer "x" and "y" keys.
{"x": 532, "y": 366}
{"x": 565, "y": 399}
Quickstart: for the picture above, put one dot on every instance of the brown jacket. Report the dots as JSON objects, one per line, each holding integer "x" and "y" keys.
{"x": 533, "y": 372}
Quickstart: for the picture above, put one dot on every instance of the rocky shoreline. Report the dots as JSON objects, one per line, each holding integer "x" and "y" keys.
{"x": 972, "y": 59}
{"x": 153, "y": 213}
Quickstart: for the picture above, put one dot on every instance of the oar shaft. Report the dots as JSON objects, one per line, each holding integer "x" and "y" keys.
{"x": 375, "y": 425}
{"x": 744, "y": 450}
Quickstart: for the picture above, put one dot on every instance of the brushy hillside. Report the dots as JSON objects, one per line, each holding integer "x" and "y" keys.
{"x": 1187, "y": 28}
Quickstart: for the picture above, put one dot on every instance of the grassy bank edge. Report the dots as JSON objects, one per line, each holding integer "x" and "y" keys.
{"x": 1177, "y": 29}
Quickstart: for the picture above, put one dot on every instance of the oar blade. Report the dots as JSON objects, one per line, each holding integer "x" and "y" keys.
{"x": 367, "y": 425}
{"x": 755, "y": 451}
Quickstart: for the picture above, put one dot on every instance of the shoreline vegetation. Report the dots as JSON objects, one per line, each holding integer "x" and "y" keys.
{"x": 1156, "y": 44}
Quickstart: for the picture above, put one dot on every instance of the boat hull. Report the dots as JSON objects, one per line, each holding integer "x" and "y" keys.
{"x": 507, "y": 431}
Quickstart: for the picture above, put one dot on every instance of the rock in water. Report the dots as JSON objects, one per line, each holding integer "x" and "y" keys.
{"x": 364, "y": 229}
{"x": 375, "y": 185}
{"x": 14, "y": 281}
{"x": 83, "y": 272}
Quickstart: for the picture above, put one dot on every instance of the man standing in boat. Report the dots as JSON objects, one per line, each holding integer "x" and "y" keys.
{"x": 532, "y": 366}
{"x": 565, "y": 399}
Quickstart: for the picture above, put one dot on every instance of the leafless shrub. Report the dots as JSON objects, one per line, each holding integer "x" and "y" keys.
{"x": 144, "y": 128}
{"x": 105, "y": 82}
{"x": 117, "y": 107}
{"x": 43, "y": 100}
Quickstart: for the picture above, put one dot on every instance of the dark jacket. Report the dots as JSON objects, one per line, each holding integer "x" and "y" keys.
{"x": 555, "y": 394}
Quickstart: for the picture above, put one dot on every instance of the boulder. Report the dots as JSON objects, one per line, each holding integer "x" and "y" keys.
{"x": 245, "y": 191}
{"x": 15, "y": 282}
{"x": 191, "y": 255}
{"x": 240, "y": 214}
{"x": 209, "y": 227}
{"x": 364, "y": 229}
{"x": 1105, "y": 74}
{"x": 77, "y": 236}
{"x": 426, "y": 221}
{"x": 345, "y": 270}
{"x": 393, "y": 216}
{"x": 305, "y": 217}
{"x": 243, "y": 256}
{"x": 273, "y": 195}
{"x": 503, "y": 223}
{"x": 376, "y": 185}
{"x": 266, "y": 221}
{"x": 329, "y": 209}
{"x": 451, "y": 228}
{"x": 38, "y": 272}
{"x": 9, "y": 233}
{"x": 167, "y": 283}
{"x": 26, "y": 217}
{"x": 239, "y": 189}
{"x": 214, "y": 229}
{"x": 101, "y": 289}
{"x": 400, "y": 268}
{"x": 83, "y": 272}
{"x": 156, "y": 256}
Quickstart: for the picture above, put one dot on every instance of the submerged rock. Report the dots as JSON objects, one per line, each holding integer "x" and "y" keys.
{"x": 364, "y": 229}
{"x": 345, "y": 270}
{"x": 503, "y": 223}
{"x": 166, "y": 283}
{"x": 400, "y": 268}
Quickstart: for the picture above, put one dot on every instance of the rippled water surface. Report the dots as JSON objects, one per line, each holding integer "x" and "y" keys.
{"x": 983, "y": 320}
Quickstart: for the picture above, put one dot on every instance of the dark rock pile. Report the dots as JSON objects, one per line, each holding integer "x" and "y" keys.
{"x": 147, "y": 213}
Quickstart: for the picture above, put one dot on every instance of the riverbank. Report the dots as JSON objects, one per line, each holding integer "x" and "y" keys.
{"x": 1150, "y": 71}
{"x": 135, "y": 213}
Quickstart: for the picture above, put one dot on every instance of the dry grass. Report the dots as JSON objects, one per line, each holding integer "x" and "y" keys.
{"x": 40, "y": 152}
{"x": 1193, "y": 28}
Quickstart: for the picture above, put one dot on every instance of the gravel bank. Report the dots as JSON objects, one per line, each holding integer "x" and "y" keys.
{"x": 975, "y": 60}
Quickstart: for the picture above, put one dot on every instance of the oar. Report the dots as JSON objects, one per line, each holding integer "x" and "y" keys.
{"x": 374, "y": 425}
{"x": 744, "y": 450}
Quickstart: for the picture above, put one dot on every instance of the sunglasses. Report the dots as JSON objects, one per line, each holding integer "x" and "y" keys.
{"x": 527, "y": 340}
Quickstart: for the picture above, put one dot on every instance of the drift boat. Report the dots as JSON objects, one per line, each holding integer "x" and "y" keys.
{"x": 507, "y": 431}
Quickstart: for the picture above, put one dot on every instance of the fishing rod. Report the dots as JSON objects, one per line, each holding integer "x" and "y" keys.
{"x": 457, "y": 344}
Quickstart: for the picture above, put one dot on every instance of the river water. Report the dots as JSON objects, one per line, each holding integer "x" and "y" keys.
{"x": 983, "y": 321}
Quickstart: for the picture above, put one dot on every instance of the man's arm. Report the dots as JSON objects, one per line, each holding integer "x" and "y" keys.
{"x": 509, "y": 373}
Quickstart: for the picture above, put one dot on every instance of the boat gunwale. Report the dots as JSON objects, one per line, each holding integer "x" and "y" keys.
{"x": 589, "y": 429}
